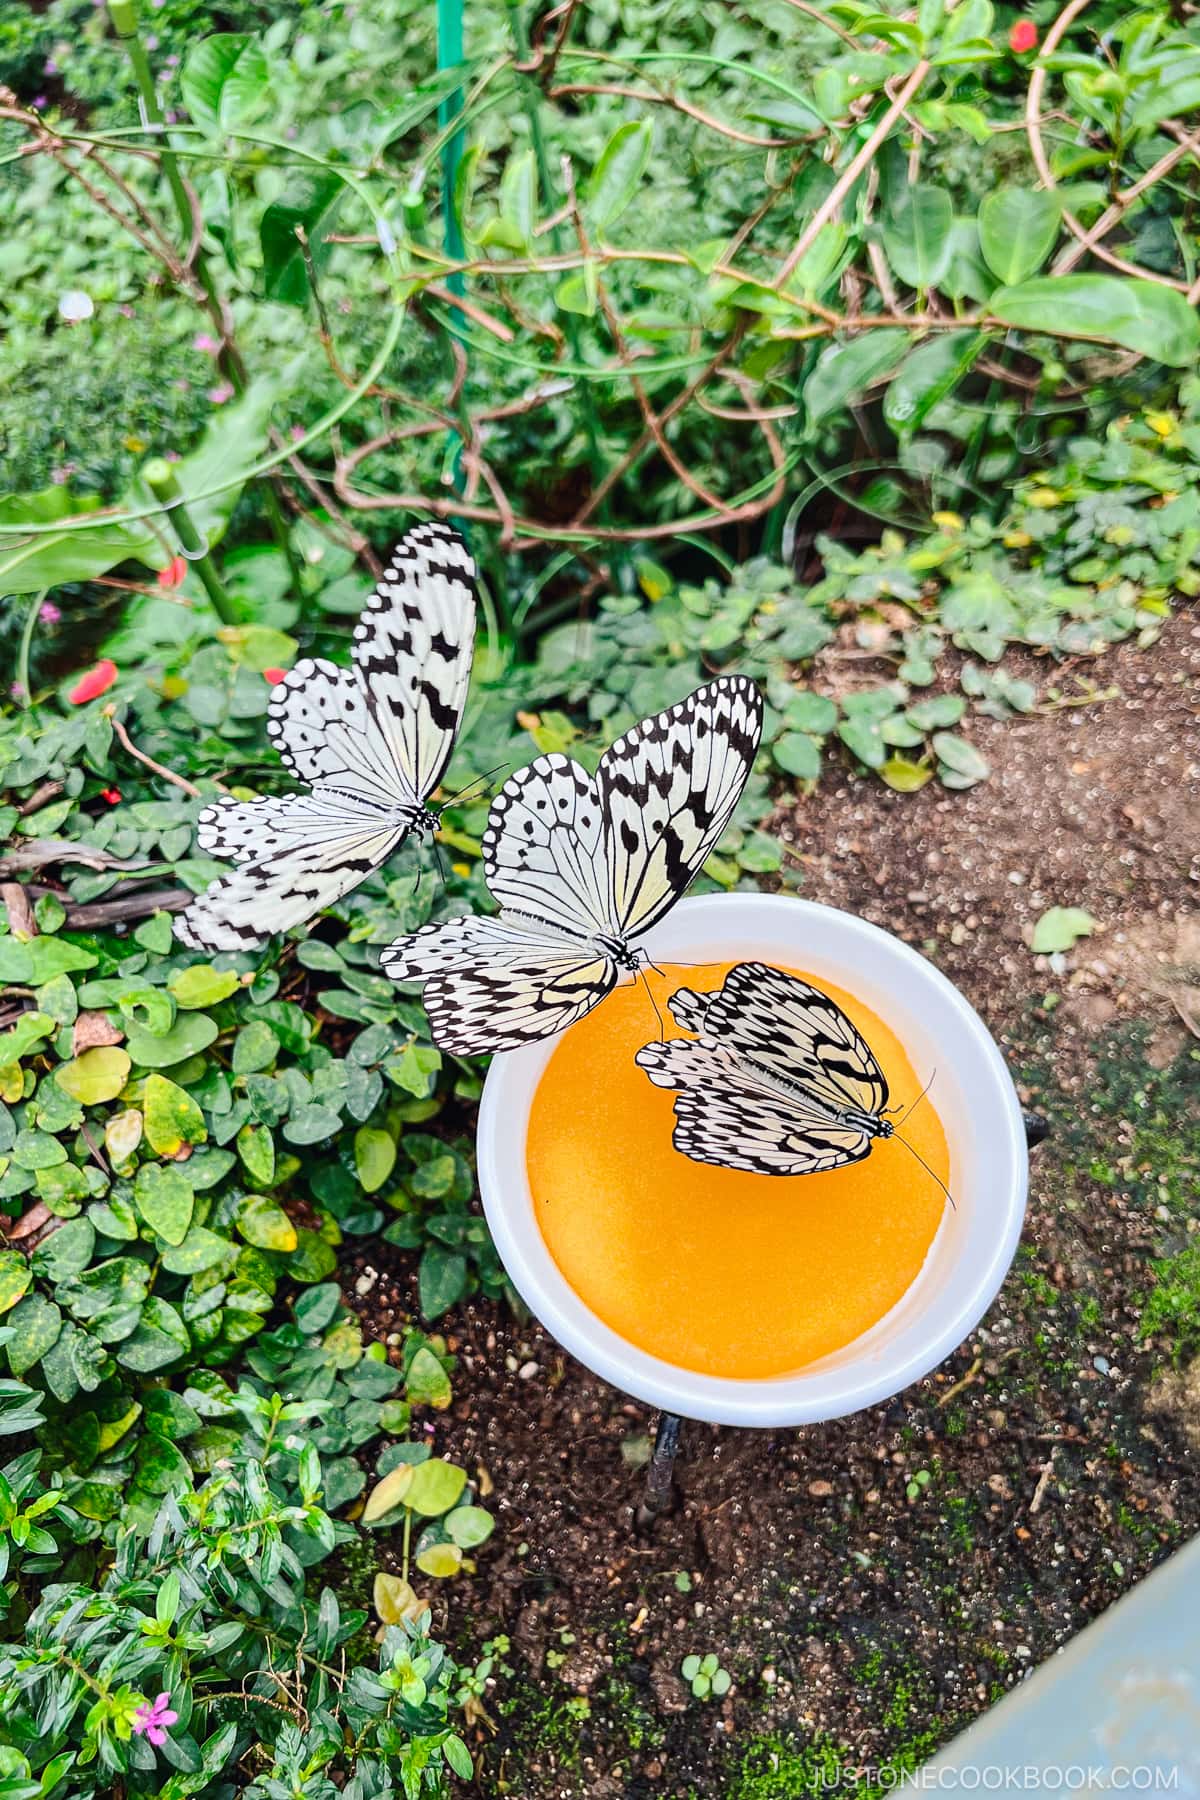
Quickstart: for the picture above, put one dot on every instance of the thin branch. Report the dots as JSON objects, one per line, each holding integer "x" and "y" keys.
{"x": 179, "y": 781}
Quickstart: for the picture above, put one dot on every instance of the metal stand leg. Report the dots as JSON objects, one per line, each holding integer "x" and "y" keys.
{"x": 1037, "y": 1129}
{"x": 660, "y": 1470}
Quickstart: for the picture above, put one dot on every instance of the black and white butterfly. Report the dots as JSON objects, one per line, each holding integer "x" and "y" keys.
{"x": 371, "y": 741}
{"x": 775, "y": 1080}
{"x": 582, "y": 867}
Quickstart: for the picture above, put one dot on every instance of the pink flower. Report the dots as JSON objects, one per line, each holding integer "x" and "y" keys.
{"x": 154, "y": 1720}
{"x": 48, "y": 613}
{"x": 174, "y": 575}
{"x": 273, "y": 677}
{"x": 62, "y": 474}
{"x": 1023, "y": 36}
{"x": 97, "y": 681}
{"x": 221, "y": 393}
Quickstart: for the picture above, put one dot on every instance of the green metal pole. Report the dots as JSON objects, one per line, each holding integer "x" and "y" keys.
{"x": 449, "y": 55}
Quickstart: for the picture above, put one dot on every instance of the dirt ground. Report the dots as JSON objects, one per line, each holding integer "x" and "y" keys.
{"x": 873, "y": 1584}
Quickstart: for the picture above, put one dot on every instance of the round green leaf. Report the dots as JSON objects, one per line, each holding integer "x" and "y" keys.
{"x": 1117, "y": 309}
{"x": 187, "y": 1037}
{"x": 1017, "y": 229}
{"x": 15, "y": 1277}
{"x": 469, "y": 1526}
{"x": 202, "y": 986}
{"x": 440, "y": 1560}
{"x": 374, "y": 1157}
{"x": 435, "y": 1487}
{"x": 165, "y": 1200}
{"x": 35, "y": 1324}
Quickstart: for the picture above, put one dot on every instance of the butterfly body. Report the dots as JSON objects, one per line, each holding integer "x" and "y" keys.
{"x": 777, "y": 1080}
{"x": 582, "y": 866}
{"x": 370, "y": 742}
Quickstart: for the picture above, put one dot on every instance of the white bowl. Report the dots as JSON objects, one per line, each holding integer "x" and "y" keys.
{"x": 975, "y": 1242}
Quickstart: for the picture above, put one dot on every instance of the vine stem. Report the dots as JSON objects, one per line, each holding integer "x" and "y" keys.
{"x": 163, "y": 483}
{"x": 850, "y": 174}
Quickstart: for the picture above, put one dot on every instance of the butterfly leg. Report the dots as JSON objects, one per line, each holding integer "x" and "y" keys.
{"x": 660, "y": 1470}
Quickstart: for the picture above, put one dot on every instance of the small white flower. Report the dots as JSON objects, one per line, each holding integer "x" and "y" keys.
{"x": 75, "y": 305}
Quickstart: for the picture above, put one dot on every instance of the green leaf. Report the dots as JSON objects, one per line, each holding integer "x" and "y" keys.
{"x": 1017, "y": 230}
{"x": 618, "y": 173}
{"x": 202, "y": 986}
{"x": 264, "y": 1224}
{"x": 187, "y": 1037}
{"x": 1060, "y": 928}
{"x": 844, "y": 371}
{"x": 1138, "y": 315}
{"x": 435, "y": 1487}
{"x": 313, "y": 1259}
{"x": 318, "y": 1307}
{"x": 469, "y": 1526}
{"x": 443, "y": 1280}
{"x": 225, "y": 81}
{"x": 938, "y": 711}
{"x": 960, "y": 757}
{"x": 799, "y": 754}
{"x": 155, "y": 933}
{"x": 201, "y": 1249}
{"x": 865, "y": 739}
{"x": 312, "y": 1125}
{"x": 30, "y": 1030}
{"x": 255, "y": 1048}
{"x": 96, "y": 1076}
{"x": 256, "y": 1147}
{"x": 165, "y": 1200}
{"x": 15, "y": 1277}
{"x": 927, "y": 376}
{"x": 34, "y": 1325}
{"x": 916, "y": 234}
{"x": 374, "y": 1158}
{"x": 309, "y": 207}
{"x": 172, "y": 1118}
{"x": 458, "y": 1757}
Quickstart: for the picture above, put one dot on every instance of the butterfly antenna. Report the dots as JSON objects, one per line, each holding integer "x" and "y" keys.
{"x": 918, "y": 1099}
{"x": 926, "y": 1167}
{"x": 662, "y": 1030}
{"x": 478, "y": 781}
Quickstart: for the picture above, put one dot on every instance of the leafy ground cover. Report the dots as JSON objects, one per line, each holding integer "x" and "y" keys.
{"x": 848, "y": 349}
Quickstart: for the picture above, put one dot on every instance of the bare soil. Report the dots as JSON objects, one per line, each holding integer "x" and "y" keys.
{"x": 874, "y": 1584}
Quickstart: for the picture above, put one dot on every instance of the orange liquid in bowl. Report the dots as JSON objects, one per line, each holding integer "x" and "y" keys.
{"x": 716, "y": 1270}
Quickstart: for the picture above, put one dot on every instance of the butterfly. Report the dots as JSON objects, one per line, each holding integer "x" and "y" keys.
{"x": 371, "y": 741}
{"x": 775, "y": 1080}
{"x": 583, "y": 866}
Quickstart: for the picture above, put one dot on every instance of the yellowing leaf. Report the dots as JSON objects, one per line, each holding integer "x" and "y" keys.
{"x": 374, "y": 1158}
{"x": 172, "y": 1118}
{"x": 441, "y": 1560}
{"x": 395, "y": 1599}
{"x": 123, "y": 1134}
{"x": 389, "y": 1493}
{"x": 95, "y": 1076}
{"x": 202, "y": 985}
{"x": 15, "y": 1277}
{"x": 266, "y": 1225}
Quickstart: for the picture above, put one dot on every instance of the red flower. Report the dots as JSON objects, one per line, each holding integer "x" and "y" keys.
{"x": 274, "y": 676}
{"x": 174, "y": 573}
{"x": 112, "y": 795}
{"x": 1023, "y": 36}
{"x": 97, "y": 681}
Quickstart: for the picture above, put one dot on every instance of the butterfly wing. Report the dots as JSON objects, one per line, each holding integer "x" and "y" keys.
{"x": 295, "y": 855}
{"x": 726, "y": 1117}
{"x": 543, "y": 850}
{"x": 497, "y": 983}
{"x": 669, "y": 788}
{"x": 688, "y": 1009}
{"x": 384, "y": 729}
{"x": 792, "y": 1032}
{"x": 413, "y": 647}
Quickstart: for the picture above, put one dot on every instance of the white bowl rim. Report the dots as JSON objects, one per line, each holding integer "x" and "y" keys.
{"x": 818, "y": 1392}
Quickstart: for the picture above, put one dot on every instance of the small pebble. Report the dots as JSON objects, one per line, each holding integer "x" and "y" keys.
{"x": 820, "y": 1490}
{"x": 527, "y": 1371}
